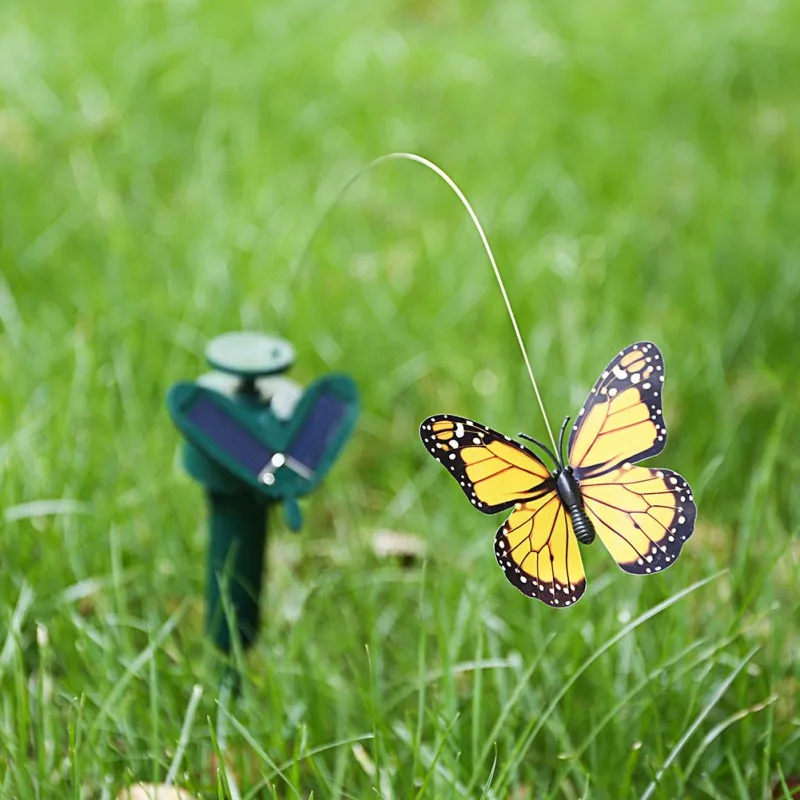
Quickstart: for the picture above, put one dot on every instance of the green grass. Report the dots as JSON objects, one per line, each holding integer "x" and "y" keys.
{"x": 161, "y": 166}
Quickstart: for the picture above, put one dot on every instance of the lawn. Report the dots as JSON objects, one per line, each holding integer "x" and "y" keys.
{"x": 163, "y": 163}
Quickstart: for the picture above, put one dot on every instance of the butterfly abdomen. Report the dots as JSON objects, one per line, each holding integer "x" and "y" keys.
{"x": 570, "y": 494}
{"x": 582, "y": 525}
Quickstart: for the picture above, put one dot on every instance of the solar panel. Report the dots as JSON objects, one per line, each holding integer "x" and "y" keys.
{"x": 229, "y": 435}
{"x": 319, "y": 426}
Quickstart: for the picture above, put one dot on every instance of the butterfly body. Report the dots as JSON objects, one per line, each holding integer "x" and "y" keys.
{"x": 568, "y": 488}
{"x": 642, "y": 515}
{"x": 569, "y": 491}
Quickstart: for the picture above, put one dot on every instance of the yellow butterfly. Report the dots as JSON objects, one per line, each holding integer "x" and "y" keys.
{"x": 643, "y": 516}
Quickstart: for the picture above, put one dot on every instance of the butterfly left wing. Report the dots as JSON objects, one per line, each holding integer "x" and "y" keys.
{"x": 538, "y": 551}
{"x": 493, "y": 471}
{"x": 622, "y": 419}
{"x": 643, "y": 516}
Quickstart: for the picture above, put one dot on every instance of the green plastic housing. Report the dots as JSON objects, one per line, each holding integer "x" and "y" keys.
{"x": 239, "y": 503}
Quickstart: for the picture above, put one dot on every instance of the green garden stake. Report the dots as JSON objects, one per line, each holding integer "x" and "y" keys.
{"x": 254, "y": 440}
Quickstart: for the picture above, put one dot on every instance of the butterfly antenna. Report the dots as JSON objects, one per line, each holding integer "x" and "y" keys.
{"x": 542, "y": 445}
{"x": 295, "y": 268}
{"x": 561, "y": 441}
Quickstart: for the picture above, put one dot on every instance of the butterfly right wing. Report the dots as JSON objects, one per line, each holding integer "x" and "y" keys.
{"x": 621, "y": 420}
{"x": 493, "y": 471}
{"x": 642, "y": 515}
{"x": 538, "y": 551}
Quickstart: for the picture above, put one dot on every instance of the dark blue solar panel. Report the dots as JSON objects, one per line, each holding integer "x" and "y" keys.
{"x": 319, "y": 426}
{"x": 229, "y": 435}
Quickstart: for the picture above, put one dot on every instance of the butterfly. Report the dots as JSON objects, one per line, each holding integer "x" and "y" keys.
{"x": 642, "y": 515}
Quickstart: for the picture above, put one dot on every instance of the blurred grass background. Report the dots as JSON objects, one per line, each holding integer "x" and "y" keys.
{"x": 162, "y": 163}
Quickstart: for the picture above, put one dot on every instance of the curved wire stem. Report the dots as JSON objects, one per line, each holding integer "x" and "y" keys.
{"x": 295, "y": 269}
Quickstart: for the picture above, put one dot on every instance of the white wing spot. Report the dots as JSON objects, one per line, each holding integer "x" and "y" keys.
{"x": 681, "y": 520}
{"x": 612, "y": 391}
{"x": 453, "y": 443}
{"x": 636, "y": 377}
{"x": 620, "y": 373}
{"x": 645, "y": 386}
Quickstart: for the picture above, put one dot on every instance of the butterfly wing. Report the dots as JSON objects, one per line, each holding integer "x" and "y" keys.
{"x": 493, "y": 471}
{"x": 621, "y": 420}
{"x": 539, "y": 553}
{"x": 643, "y": 516}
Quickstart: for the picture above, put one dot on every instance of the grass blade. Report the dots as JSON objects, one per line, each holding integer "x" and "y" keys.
{"x": 533, "y": 730}
{"x": 716, "y": 697}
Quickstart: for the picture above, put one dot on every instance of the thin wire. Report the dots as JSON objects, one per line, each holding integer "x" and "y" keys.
{"x": 295, "y": 269}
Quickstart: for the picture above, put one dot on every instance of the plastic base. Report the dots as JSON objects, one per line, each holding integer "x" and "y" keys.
{"x": 238, "y": 528}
